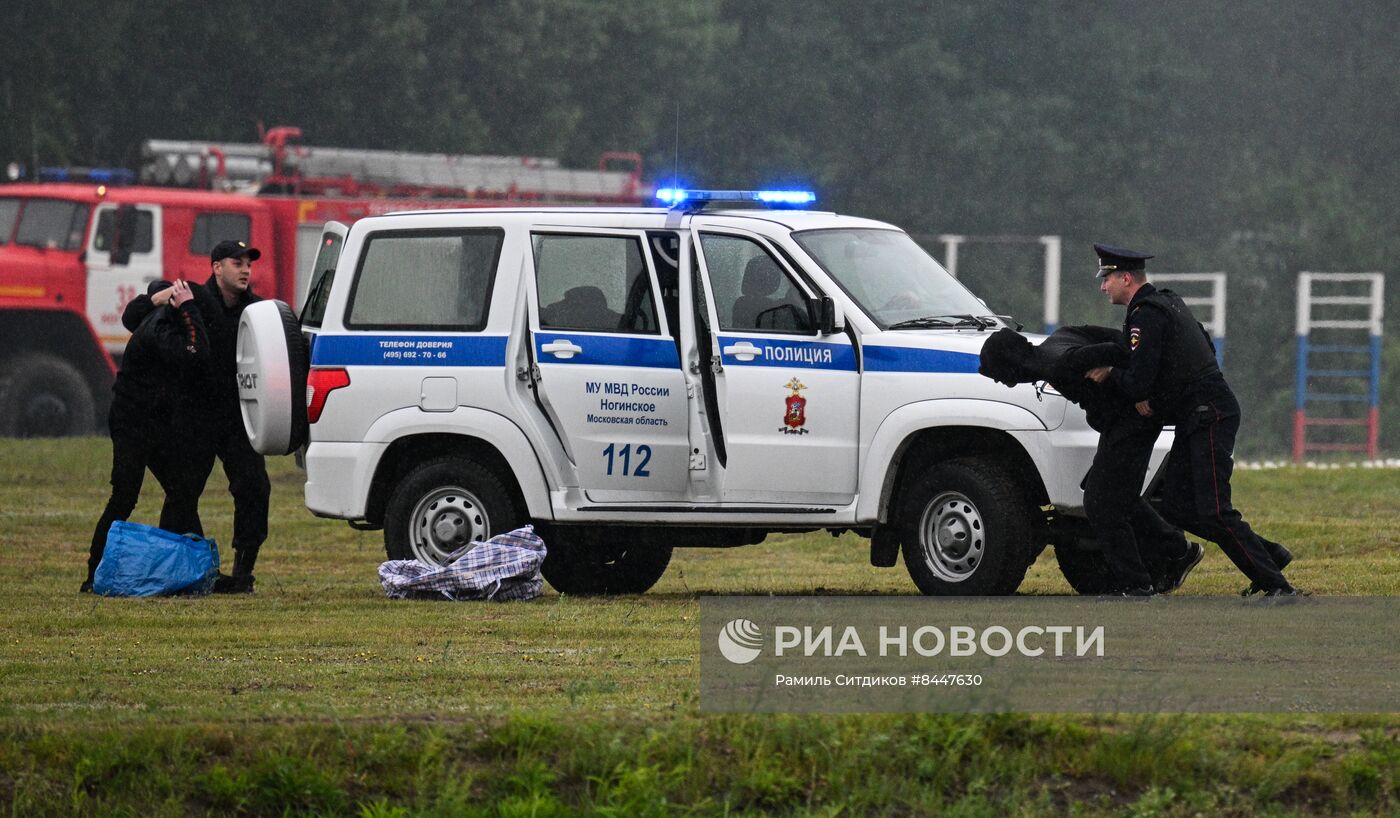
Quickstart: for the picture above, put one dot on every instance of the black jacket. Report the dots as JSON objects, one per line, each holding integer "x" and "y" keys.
{"x": 1061, "y": 360}
{"x": 1171, "y": 361}
{"x": 213, "y": 395}
{"x": 222, "y": 322}
{"x": 165, "y": 358}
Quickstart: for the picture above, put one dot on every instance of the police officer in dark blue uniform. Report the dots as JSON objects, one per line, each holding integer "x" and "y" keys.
{"x": 166, "y": 355}
{"x": 1172, "y": 377}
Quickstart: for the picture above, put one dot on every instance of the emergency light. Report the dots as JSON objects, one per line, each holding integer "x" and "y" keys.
{"x": 675, "y": 197}
{"x": 110, "y": 176}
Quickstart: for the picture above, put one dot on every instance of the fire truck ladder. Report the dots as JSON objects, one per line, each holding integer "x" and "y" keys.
{"x": 1215, "y": 301}
{"x": 1341, "y": 381}
{"x": 275, "y": 165}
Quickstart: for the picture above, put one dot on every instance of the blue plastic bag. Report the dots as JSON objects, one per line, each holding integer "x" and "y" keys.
{"x": 144, "y": 561}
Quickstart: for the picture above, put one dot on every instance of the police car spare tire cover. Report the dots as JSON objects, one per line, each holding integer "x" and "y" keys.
{"x": 272, "y": 363}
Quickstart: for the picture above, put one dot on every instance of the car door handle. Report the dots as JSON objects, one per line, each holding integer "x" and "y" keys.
{"x": 563, "y": 348}
{"x": 743, "y": 350}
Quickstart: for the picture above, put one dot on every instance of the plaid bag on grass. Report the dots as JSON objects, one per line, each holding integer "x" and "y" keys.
{"x": 505, "y": 567}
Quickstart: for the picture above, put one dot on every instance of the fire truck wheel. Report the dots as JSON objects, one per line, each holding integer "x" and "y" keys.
{"x": 443, "y": 505}
{"x": 45, "y": 396}
{"x": 1087, "y": 571}
{"x": 272, "y": 367}
{"x": 579, "y": 563}
{"x": 966, "y": 529}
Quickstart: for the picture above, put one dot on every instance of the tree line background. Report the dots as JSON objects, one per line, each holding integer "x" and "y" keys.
{"x": 1255, "y": 138}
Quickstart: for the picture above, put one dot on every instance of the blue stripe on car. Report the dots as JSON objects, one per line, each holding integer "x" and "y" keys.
{"x": 409, "y": 350}
{"x": 913, "y": 359}
{"x": 792, "y": 354}
{"x": 611, "y": 350}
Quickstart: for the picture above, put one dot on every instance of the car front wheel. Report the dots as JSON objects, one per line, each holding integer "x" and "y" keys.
{"x": 966, "y": 529}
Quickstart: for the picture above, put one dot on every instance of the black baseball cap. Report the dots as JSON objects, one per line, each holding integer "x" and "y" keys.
{"x": 1119, "y": 259}
{"x": 233, "y": 249}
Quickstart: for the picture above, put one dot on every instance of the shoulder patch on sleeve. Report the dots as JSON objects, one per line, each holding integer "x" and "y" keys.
{"x": 1133, "y": 335}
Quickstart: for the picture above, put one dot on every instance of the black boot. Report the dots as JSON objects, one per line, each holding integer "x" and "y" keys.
{"x": 1177, "y": 570}
{"x": 1281, "y": 559}
{"x": 242, "y": 580}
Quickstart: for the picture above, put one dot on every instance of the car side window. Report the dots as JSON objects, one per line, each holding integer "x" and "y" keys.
{"x": 106, "y": 233}
{"x": 212, "y": 228}
{"x": 594, "y": 283}
{"x": 752, "y": 292}
{"x": 425, "y": 279}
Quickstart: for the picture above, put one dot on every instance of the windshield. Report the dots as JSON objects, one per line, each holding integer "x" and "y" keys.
{"x": 891, "y": 277}
{"x": 52, "y": 223}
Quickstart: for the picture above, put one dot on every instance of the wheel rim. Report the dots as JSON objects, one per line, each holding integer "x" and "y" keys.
{"x": 953, "y": 536}
{"x": 443, "y": 522}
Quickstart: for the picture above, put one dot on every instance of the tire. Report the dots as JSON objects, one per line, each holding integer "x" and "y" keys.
{"x": 444, "y": 504}
{"x": 966, "y": 529}
{"x": 299, "y": 368}
{"x": 42, "y": 395}
{"x": 272, "y": 369}
{"x": 582, "y": 563}
{"x": 1087, "y": 571}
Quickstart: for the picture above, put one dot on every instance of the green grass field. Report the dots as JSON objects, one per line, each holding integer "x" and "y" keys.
{"x": 319, "y": 696}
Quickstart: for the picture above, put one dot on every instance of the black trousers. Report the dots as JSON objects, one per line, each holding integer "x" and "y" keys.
{"x": 247, "y": 482}
{"x": 1197, "y": 488}
{"x": 137, "y": 445}
{"x": 1133, "y": 536}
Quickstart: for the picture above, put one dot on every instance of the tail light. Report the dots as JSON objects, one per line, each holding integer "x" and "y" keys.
{"x": 320, "y": 383}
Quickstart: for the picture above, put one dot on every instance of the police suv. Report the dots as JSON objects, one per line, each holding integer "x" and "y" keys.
{"x": 633, "y": 380}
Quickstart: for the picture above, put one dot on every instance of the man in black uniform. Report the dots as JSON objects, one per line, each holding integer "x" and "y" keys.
{"x": 167, "y": 352}
{"x": 216, "y": 428}
{"x": 1172, "y": 378}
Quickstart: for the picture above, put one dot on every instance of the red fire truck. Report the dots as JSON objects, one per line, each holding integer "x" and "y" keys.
{"x": 73, "y": 253}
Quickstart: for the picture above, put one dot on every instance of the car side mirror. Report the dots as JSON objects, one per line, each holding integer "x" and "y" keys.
{"x": 823, "y": 314}
{"x": 124, "y": 236}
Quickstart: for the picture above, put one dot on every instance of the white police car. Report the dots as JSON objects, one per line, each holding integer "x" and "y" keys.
{"x": 635, "y": 380}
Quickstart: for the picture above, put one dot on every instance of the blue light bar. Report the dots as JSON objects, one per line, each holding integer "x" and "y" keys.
{"x": 674, "y": 196}
{"x": 109, "y": 176}
{"x": 787, "y": 197}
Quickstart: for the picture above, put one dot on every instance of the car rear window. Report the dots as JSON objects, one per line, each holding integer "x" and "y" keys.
{"x": 425, "y": 279}
{"x": 327, "y": 256}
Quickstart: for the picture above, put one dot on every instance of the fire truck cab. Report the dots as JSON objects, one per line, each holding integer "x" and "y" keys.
{"x": 73, "y": 255}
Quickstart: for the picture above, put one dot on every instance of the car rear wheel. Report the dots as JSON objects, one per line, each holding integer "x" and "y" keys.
{"x": 444, "y": 505}
{"x": 966, "y": 529}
